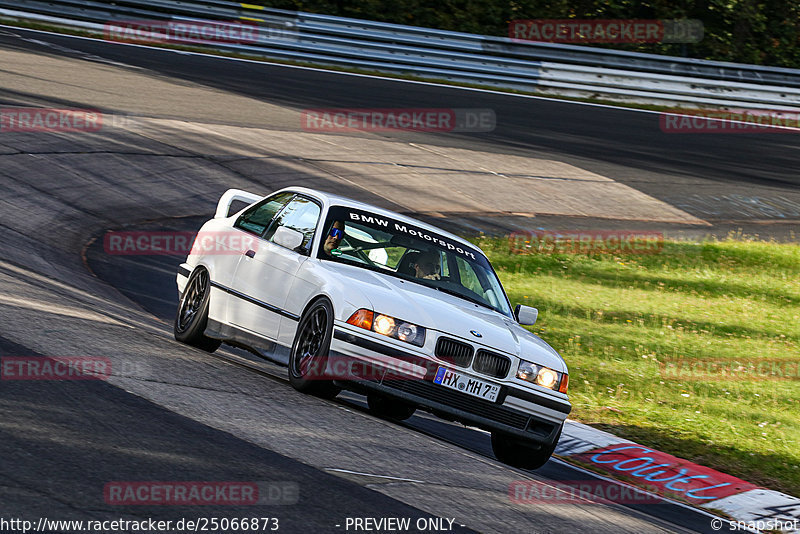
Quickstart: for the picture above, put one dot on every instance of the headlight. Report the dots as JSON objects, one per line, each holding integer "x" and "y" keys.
{"x": 542, "y": 376}
{"x": 388, "y": 326}
{"x": 383, "y": 324}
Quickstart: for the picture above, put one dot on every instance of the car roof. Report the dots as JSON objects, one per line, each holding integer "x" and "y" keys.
{"x": 330, "y": 199}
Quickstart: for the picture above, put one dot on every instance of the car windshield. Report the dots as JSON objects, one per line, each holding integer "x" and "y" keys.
{"x": 406, "y": 251}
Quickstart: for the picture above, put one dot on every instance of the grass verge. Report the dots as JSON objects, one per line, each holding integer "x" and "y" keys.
{"x": 692, "y": 350}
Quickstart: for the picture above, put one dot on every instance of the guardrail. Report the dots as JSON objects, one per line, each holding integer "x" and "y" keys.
{"x": 495, "y": 61}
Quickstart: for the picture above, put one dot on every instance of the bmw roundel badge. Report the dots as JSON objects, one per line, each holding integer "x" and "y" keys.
{"x": 475, "y": 333}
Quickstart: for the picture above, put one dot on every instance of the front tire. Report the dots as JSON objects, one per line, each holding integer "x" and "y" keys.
{"x": 309, "y": 356}
{"x": 517, "y": 453}
{"x": 192, "y": 316}
{"x": 385, "y": 408}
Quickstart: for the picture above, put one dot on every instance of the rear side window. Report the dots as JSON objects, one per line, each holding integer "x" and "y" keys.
{"x": 257, "y": 218}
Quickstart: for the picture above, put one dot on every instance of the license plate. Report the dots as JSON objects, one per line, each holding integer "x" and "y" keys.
{"x": 466, "y": 384}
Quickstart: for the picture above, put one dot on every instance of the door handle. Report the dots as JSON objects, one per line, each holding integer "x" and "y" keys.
{"x": 250, "y": 253}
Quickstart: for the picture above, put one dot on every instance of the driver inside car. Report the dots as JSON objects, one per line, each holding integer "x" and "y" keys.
{"x": 427, "y": 266}
{"x": 334, "y": 237}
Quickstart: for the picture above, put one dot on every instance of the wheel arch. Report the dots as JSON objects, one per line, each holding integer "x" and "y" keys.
{"x": 313, "y": 300}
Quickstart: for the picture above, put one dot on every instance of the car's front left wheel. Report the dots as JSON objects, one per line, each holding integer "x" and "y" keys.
{"x": 309, "y": 357}
{"x": 517, "y": 453}
{"x": 386, "y": 408}
{"x": 192, "y": 316}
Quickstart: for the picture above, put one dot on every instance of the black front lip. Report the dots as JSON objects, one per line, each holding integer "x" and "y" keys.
{"x": 431, "y": 366}
{"x": 454, "y": 404}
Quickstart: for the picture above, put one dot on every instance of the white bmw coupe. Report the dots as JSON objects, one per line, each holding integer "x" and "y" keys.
{"x": 349, "y": 295}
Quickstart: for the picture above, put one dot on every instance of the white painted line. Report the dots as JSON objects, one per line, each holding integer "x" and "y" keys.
{"x": 371, "y": 475}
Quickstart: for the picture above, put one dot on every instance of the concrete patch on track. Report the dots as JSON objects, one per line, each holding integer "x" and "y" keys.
{"x": 49, "y": 80}
{"x": 424, "y": 178}
{"x": 415, "y": 177}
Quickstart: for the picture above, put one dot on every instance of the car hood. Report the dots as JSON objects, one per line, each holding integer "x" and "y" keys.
{"x": 448, "y": 314}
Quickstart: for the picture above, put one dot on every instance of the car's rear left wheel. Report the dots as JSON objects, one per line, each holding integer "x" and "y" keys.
{"x": 518, "y": 453}
{"x": 309, "y": 357}
{"x": 192, "y": 316}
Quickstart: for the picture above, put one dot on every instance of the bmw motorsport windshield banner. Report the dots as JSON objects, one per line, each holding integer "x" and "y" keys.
{"x": 400, "y": 228}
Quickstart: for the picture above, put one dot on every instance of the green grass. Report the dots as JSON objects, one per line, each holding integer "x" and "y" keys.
{"x": 618, "y": 320}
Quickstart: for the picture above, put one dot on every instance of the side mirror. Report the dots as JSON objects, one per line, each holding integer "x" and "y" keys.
{"x": 526, "y": 314}
{"x": 288, "y": 237}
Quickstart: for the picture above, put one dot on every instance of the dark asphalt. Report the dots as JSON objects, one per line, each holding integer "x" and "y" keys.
{"x": 88, "y": 433}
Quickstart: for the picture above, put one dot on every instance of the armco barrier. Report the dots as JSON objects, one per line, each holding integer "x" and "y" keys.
{"x": 548, "y": 68}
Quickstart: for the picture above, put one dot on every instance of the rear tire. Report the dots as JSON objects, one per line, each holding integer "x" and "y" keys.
{"x": 309, "y": 356}
{"x": 192, "y": 316}
{"x": 517, "y": 453}
{"x": 386, "y": 408}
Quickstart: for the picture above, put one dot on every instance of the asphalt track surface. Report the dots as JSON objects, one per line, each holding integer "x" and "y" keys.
{"x": 173, "y": 413}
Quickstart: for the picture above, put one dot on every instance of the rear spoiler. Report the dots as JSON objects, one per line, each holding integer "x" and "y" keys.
{"x": 229, "y": 196}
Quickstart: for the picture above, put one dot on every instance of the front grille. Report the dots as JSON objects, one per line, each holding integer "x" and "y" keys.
{"x": 453, "y": 351}
{"x": 491, "y": 364}
{"x": 461, "y": 401}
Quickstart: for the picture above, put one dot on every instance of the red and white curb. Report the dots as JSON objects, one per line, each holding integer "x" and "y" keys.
{"x": 681, "y": 479}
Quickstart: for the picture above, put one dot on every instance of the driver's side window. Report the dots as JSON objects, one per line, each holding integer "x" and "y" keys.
{"x": 256, "y": 219}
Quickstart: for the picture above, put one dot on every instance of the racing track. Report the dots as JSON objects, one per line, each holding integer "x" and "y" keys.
{"x": 172, "y": 413}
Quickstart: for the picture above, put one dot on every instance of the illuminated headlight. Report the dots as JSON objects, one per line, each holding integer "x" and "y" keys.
{"x": 383, "y": 324}
{"x": 542, "y": 376}
{"x": 388, "y": 326}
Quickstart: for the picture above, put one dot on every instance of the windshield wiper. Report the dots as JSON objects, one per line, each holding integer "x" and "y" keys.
{"x": 461, "y": 295}
{"x": 445, "y": 290}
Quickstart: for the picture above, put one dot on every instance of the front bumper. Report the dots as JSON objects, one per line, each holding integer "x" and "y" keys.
{"x": 407, "y": 376}
{"x": 182, "y": 277}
